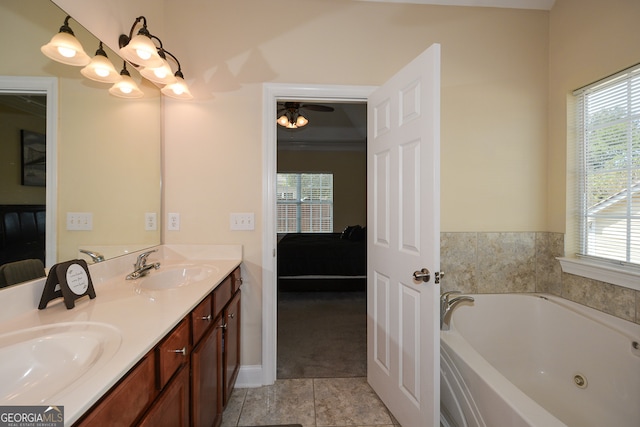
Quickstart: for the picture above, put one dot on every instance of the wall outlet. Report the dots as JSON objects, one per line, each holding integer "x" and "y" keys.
{"x": 150, "y": 221}
{"x": 242, "y": 221}
{"x": 79, "y": 221}
{"x": 174, "y": 222}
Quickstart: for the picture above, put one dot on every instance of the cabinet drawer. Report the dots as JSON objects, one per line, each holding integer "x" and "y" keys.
{"x": 222, "y": 295}
{"x": 236, "y": 278}
{"x": 173, "y": 352}
{"x": 127, "y": 400}
{"x": 201, "y": 319}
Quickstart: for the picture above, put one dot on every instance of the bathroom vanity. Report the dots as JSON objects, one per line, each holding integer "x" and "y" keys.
{"x": 171, "y": 351}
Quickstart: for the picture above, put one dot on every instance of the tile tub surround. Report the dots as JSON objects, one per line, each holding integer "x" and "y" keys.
{"x": 142, "y": 317}
{"x": 504, "y": 262}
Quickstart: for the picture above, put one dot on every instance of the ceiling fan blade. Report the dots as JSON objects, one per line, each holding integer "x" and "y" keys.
{"x": 317, "y": 107}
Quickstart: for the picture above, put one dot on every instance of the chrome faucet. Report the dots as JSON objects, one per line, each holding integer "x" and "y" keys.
{"x": 141, "y": 268}
{"x": 96, "y": 257}
{"x": 446, "y": 305}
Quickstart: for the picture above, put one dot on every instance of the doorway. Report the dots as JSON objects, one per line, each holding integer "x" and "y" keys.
{"x": 274, "y": 93}
{"x": 321, "y": 251}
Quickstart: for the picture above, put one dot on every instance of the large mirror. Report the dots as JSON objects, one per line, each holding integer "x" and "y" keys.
{"x": 108, "y": 149}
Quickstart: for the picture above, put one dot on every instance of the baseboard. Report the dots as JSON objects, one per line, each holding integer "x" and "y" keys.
{"x": 250, "y": 376}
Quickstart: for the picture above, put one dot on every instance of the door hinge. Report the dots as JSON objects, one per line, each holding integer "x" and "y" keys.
{"x": 439, "y": 275}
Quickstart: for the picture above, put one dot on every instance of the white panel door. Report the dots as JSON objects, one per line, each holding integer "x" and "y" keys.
{"x": 403, "y": 223}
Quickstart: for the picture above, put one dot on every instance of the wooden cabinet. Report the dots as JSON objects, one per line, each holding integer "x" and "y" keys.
{"x": 128, "y": 399}
{"x": 206, "y": 378}
{"x": 171, "y": 409}
{"x": 231, "y": 346}
{"x": 186, "y": 380}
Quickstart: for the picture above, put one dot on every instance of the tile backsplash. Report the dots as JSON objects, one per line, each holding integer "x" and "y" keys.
{"x": 480, "y": 262}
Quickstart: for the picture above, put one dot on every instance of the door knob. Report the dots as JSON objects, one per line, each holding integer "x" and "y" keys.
{"x": 422, "y": 275}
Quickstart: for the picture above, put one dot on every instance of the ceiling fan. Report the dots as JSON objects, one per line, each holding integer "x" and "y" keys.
{"x": 289, "y": 115}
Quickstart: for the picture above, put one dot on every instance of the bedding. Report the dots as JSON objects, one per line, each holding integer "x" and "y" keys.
{"x": 323, "y": 255}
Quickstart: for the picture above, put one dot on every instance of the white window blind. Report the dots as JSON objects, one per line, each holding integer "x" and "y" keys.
{"x": 608, "y": 148}
{"x": 304, "y": 203}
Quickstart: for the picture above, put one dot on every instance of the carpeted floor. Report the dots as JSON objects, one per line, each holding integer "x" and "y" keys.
{"x": 322, "y": 335}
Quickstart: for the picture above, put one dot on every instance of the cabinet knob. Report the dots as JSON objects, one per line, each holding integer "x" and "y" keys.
{"x": 207, "y": 318}
{"x": 231, "y": 315}
{"x": 183, "y": 350}
{"x": 223, "y": 327}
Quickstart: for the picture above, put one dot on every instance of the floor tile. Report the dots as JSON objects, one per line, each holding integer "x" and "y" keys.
{"x": 231, "y": 414}
{"x": 348, "y": 402}
{"x": 285, "y": 402}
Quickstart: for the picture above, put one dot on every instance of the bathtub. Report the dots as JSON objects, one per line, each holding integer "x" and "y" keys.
{"x": 537, "y": 360}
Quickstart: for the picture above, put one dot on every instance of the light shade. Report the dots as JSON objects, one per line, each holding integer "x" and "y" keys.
{"x": 126, "y": 87}
{"x": 100, "y": 68}
{"x": 162, "y": 74}
{"x": 141, "y": 50}
{"x": 65, "y": 48}
{"x": 179, "y": 89}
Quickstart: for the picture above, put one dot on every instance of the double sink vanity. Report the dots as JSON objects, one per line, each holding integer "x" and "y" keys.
{"x": 160, "y": 349}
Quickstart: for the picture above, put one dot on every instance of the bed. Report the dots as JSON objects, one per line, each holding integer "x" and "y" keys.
{"x": 323, "y": 261}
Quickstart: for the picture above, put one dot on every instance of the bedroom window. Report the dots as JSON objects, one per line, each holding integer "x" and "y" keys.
{"x": 608, "y": 147}
{"x": 305, "y": 202}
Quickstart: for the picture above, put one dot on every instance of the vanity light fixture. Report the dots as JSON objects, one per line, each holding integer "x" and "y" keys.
{"x": 100, "y": 68}
{"x": 179, "y": 88}
{"x": 65, "y": 48}
{"x": 140, "y": 49}
{"x": 126, "y": 87}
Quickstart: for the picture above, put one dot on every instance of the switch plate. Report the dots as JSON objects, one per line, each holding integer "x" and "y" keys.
{"x": 174, "y": 222}
{"x": 150, "y": 221}
{"x": 79, "y": 221}
{"x": 242, "y": 221}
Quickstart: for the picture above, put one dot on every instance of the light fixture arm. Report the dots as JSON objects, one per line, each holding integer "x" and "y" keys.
{"x": 179, "y": 72}
{"x": 65, "y": 28}
{"x": 124, "y": 39}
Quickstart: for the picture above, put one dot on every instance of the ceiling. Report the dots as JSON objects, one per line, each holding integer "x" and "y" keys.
{"x": 344, "y": 129}
{"x": 510, "y": 4}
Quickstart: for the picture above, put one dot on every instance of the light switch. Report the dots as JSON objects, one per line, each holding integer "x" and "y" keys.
{"x": 79, "y": 221}
{"x": 242, "y": 221}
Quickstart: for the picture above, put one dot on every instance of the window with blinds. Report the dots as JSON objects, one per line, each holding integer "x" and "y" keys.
{"x": 304, "y": 203}
{"x": 608, "y": 148}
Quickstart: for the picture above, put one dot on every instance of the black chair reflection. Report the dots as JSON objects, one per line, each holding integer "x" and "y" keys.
{"x": 21, "y": 271}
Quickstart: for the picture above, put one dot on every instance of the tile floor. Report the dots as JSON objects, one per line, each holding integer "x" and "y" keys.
{"x": 312, "y": 402}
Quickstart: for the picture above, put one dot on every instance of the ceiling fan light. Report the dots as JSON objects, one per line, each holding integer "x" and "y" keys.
{"x": 283, "y": 120}
{"x": 301, "y": 121}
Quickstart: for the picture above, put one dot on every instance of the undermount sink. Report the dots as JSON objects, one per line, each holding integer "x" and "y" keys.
{"x": 39, "y": 363}
{"x": 176, "y": 276}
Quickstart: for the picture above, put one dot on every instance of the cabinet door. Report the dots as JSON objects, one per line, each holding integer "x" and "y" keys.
{"x": 127, "y": 400}
{"x": 171, "y": 409}
{"x": 206, "y": 379}
{"x": 231, "y": 346}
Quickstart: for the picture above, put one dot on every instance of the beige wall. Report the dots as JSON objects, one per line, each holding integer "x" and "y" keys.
{"x": 494, "y": 107}
{"x": 349, "y": 170}
{"x": 590, "y": 39}
{"x": 12, "y": 192}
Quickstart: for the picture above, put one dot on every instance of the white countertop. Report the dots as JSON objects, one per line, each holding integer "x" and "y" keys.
{"x": 143, "y": 317}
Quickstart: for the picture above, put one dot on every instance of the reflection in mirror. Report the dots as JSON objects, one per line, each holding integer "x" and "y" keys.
{"x": 108, "y": 148}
